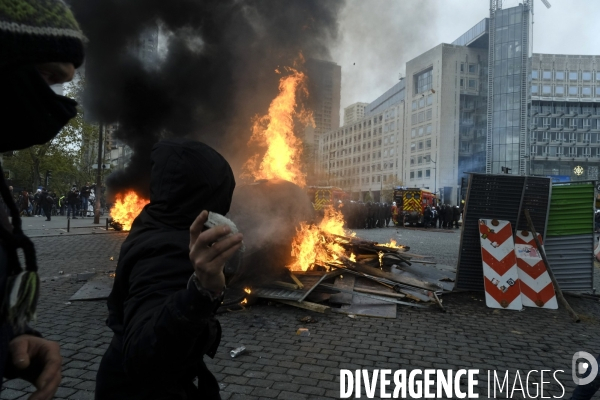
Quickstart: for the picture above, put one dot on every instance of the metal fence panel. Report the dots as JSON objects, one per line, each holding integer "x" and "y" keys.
{"x": 503, "y": 197}
{"x": 571, "y": 260}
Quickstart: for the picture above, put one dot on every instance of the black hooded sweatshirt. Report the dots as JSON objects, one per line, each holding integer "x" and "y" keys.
{"x": 163, "y": 326}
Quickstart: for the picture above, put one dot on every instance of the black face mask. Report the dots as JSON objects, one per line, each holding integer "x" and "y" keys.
{"x": 31, "y": 111}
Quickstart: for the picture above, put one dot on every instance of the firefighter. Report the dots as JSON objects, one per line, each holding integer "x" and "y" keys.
{"x": 394, "y": 213}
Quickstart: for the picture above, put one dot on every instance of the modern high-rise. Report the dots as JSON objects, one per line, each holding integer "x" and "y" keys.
{"x": 324, "y": 86}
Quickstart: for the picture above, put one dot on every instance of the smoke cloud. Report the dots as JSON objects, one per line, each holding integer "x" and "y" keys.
{"x": 215, "y": 73}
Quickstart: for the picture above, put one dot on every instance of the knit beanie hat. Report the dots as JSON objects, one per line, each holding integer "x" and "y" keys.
{"x": 39, "y": 31}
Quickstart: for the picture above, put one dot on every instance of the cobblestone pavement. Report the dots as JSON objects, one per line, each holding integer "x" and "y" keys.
{"x": 280, "y": 364}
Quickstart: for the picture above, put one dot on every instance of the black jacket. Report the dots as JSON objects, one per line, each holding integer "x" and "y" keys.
{"x": 162, "y": 328}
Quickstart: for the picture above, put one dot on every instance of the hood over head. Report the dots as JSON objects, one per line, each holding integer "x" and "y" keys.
{"x": 186, "y": 178}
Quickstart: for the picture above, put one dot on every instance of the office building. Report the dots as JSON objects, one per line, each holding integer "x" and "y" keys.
{"x": 354, "y": 112}
{"x": 564, "y": 139}
{"x": 484, "y": 104}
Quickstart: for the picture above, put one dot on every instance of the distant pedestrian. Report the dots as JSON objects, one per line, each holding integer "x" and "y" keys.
{"x": 85, "y": 196}
{"x": 46, "y": 203}
{"x": 72, "y": 200}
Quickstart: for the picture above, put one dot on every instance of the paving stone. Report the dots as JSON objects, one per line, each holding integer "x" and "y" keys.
{"x": 285, "y": 366}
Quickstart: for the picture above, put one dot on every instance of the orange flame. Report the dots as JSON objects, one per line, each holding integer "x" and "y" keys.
{"x": 126, "y": 208}
{"x": 314, "y": 244}
{"x": 275, "y": 131}
{"x": 392, "y": 244}
{"x": 248, "y": 290}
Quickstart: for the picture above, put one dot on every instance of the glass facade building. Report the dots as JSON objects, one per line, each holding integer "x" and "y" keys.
{"x": 507, "y": 90}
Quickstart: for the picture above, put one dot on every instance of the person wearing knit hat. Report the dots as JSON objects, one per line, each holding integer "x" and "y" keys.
{"x": 40, "y": 45}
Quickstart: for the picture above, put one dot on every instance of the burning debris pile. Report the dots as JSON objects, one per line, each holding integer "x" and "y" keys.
{"x": 126, "y": 208}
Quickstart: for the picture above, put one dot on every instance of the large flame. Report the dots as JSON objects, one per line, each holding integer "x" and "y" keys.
{"x": 275, "y": 131}
{"x": 315, "y": 244}
{"x": 126, "y": 208}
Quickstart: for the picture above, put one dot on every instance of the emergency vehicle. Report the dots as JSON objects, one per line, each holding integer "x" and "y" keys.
{"x": 411, "y": 203}
{"x": 323, "y": 196}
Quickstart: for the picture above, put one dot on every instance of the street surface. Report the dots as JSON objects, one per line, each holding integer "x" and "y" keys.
{"x": 280, "y": 364}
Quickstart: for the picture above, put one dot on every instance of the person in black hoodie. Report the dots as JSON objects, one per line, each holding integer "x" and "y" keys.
{"x": 169, "y": 281}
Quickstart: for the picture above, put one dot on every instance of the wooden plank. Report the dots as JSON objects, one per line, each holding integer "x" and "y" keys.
{"x": 343, "y": 282}
{"x": 295, "y": 278}
{"x": 320, "y": 308}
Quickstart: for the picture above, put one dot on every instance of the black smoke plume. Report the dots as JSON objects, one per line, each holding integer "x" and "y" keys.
{"x": 216, "y": 73}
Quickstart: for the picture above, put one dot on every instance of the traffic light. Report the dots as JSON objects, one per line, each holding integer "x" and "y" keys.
{"x": 48, "y": 176}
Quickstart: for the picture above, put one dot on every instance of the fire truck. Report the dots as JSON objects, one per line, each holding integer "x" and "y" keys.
{"x": 411, "y": 203}
{"x": 323, "y": 196}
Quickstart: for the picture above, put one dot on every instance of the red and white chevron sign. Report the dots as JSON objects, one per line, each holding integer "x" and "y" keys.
{"x": 501, "y": 279}
{"x": 537, "y": 289}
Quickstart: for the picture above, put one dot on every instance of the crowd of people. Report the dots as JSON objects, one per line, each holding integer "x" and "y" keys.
{"x": 369, "y": 215}
{"x": 46, "y": 203}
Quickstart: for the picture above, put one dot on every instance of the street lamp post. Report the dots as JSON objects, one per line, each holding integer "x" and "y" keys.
{"x": 434, "y": 175}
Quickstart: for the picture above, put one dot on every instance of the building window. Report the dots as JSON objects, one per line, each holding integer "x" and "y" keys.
{"x": 430, "y": 100}
{"x": 559, "y": 75}
{"x": 462, "y": 82}
{"x": 546, "y": 122}
{"x": 421, "y": 145}
{"x": 597, "y": 91}
{"x": 423, "y": 81}
{"x": 472, "y": 83}
{"x": 534, "y": 89}
{"x": 412, "y": 175}
{"x": 413, "y": 119}
{"x": 421, "y": 116}
{"x": 392, "y": 151}
{"x": 472, "y": 68}
{"x": 428, "y": 144}
{"x": 559, "y": 122}
{"x": 535, "y": 74}
{"x": 427, "y": 173}
{"x": 421, "y": 102}
{"x": 462, "y": 67}
{"x": 413, "y": 132}
{"x": 428, "y": 129}
{"x": 546, "y": 74}
{"x": 559, "y": 90}
{"x": 414, "y": 105}
{"x": 427, "y": 158}
{"x": 420, "y": 174}
{"x": 586, "y": 76}
{"x": 420, "y": 160}
{"x": 421, "y": 130}
{"x": 429, "y": 114}
{"x": 547, "y": 89}
{"x": 573, "y": 76}
{"x": 573, "y": 90}
{"x": 586, "y": 91}
{"x": 572, "y": 137}
{"x": 413, "y": 147}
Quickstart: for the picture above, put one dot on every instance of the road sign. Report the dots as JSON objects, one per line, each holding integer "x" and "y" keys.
{"x": 537, "y": 289}
{"x": 501, "y": 279}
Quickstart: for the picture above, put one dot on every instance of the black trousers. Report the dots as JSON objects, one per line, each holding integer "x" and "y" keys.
{"x": 47, "y": 210}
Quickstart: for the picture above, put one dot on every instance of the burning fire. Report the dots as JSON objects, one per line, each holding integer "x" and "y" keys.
{"x": 392, "y": 244}
{"x": 126, "y": 208}
{"x": 248, "y": 290}
{"x": 245, "y": 301}
{"x": 275, "y": 131}
{"x": 315, "y": 244}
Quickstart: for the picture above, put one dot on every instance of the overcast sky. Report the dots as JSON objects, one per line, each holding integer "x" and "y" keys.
{"x": 378, "y": 37}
